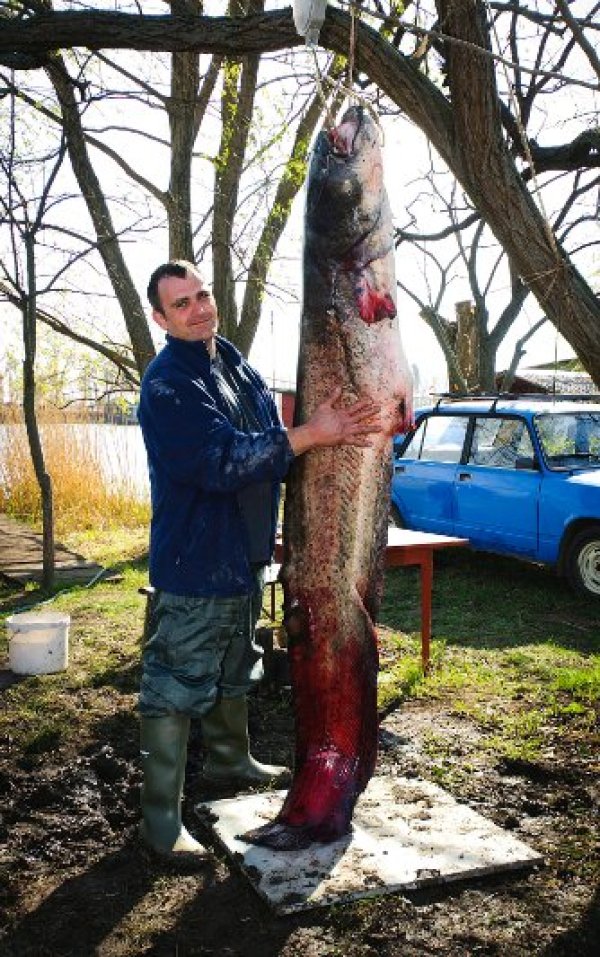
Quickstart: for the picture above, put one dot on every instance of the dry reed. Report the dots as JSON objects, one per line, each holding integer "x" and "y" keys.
{"x": 90, "y": 490}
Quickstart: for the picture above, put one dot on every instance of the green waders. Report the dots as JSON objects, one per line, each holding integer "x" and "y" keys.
{"x": 164, "y": 753}
{"x": 225, "y": 735}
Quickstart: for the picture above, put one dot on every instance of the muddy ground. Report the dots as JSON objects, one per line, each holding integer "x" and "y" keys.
{"x": 76, "y": 882}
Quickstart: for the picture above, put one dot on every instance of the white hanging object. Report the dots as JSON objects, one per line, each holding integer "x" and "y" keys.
{"x": 308, "y": 18}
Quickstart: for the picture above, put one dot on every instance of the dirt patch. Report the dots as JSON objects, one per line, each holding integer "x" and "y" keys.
{"x": 76, "y": 882}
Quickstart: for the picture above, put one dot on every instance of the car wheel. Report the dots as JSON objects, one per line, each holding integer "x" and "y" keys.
{"x": 395, "y": 519}
{"x": 583, "y": 561}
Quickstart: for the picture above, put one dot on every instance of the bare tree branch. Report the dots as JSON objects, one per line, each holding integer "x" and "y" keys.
{"x": 578, "y": 32}
{"x": 518, "y": 354}
{"x": 124, "y": 363}
{"x": 404, "y": 235}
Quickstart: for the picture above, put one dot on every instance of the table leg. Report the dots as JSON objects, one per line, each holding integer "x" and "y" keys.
{"x": 426, "y": 584}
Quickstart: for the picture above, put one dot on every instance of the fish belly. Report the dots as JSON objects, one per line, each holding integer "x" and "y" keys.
{"x": 335, "y": 532}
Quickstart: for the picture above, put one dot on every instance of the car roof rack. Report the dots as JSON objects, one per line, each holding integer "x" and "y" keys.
{"x": 495, "y": 397}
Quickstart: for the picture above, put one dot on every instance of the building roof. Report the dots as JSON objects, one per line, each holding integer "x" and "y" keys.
{"x": 551, "y": 380}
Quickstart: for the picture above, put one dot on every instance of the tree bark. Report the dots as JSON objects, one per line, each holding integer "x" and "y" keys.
{"x": 290, "y": 183}
{"x": 237, "y": 103}
{"x": 29, "y": 412}
{"x": 491, "y": 178}
{"x": 445, "y": 333}
{"x": 468, "y": 343}
{"x": 181, "y": 109}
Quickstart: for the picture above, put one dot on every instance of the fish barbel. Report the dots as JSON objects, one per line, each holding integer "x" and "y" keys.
{"x": 337, "y": 499}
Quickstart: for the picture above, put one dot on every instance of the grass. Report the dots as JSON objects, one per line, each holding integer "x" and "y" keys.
{"x": 104, "y": 520}
{"x": 520, "y": 674}
{"x": 514, "y": 650}
{"x": 44, "y": 712}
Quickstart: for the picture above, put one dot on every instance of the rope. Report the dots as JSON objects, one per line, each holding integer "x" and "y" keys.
{"x": 447, "y": 38}
{"x": 41, "y": 602}
{"x": 329, "y": 118}
{"x": 351, "y": 48}
{"x": 339, "y": 87}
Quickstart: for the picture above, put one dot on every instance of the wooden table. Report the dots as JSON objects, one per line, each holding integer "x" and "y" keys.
{"x": 405, "y": 547}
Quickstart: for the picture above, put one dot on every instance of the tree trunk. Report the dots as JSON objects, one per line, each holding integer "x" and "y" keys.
{"x": 181, "y": 108}
{"x": 467, "y": 133}
{"x": 33, "y": 432}
{"x": 468, "y": 340}
{"x": 445, "y": 332}
{"x": 484, "y": 166}
{"x": 239, "y": 88}
{"x": 289, "y": 185}
{"x": 108, "y": 244}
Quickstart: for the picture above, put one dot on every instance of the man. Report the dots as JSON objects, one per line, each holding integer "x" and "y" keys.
{"x": 217, "y": 453}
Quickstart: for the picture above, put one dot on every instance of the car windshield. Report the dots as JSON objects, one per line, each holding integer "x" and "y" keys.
{"x": 570, "y": 440}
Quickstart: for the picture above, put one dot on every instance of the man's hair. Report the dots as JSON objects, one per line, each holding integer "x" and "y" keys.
{"x": 179, "y": 268}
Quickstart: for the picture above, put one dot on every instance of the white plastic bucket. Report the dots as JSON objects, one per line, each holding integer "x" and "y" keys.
{"x": 38, "y": 642}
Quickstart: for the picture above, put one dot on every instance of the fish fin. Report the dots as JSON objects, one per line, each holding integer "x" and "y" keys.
{"x": 278, "y": 836}
{"x": 318, "y": 807}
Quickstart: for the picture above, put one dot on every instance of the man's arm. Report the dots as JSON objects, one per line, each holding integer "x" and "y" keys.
{"x": 332, "y": 425}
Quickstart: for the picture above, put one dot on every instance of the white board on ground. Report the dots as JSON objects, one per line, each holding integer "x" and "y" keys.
{"x": 407, "y": 833}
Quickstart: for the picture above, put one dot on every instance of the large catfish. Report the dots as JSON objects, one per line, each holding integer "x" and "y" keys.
{"x": 336, "y": 505}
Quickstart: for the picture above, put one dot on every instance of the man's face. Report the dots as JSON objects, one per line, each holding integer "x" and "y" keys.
{"x": 189, "y": 310}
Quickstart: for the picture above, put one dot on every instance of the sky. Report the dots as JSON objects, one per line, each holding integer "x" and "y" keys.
{"x": 407, "y": 158}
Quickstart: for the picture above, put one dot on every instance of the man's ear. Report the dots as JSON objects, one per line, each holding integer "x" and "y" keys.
{"x": 159, "y": 318}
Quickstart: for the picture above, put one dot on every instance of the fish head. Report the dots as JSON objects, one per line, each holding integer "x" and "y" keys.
{"x": 349, "y": 232}
{"x": 345, "y": 182}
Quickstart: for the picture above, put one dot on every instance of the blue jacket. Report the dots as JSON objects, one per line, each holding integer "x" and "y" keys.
{"x": 198, "y": 462}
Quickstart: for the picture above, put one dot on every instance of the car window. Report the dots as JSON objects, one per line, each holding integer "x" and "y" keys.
{"x": 570, "y": 439}
{"x": 439, "y": 438}
{"x": 499, "y": 442}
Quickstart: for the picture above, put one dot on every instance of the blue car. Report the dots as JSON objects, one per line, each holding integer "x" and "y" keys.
{"x": 517, "y": 475}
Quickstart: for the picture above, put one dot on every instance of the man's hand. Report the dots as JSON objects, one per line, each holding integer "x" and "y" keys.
{"x": 331, "y": 425}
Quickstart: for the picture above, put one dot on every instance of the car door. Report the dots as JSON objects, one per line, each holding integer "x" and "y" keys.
{"x": 424, "y": 473}
{"x": 497, "y": 490}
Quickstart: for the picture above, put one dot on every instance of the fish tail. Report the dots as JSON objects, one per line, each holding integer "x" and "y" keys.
{"x": 336, "y": 708}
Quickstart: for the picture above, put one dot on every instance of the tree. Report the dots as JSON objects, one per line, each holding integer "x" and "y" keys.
{"x": 185, "y": 105}
{"x": 25, "y": 208}
{"x": 471, "y": 338}
{"x": 471, "y": 125}
{"x": 565, "y": 182}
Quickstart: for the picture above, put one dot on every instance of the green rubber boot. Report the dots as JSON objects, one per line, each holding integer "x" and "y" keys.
{"x": 164, "y": 752}
{"x": 228, "y": 758}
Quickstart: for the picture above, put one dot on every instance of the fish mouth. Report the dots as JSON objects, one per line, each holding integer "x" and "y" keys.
{"x": 342, "y": 138}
